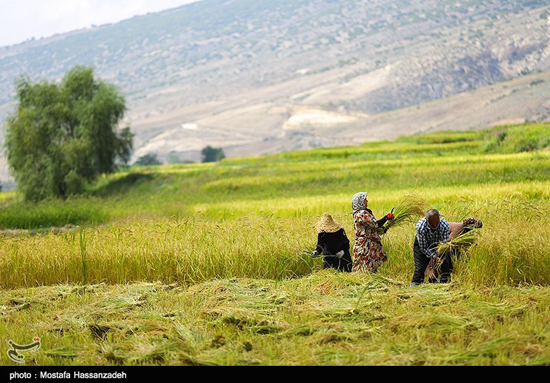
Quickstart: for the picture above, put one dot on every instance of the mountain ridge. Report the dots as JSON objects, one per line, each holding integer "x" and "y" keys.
{"x": 249, "y": 74}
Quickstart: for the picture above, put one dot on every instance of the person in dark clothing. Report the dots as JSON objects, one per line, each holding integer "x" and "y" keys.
{"x": 332, "y": 244}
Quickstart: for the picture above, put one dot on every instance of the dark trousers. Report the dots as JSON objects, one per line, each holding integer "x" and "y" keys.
{"x": 443, "y": 273}
{"x": 343, "y": 264}
{"x": 421, "y": 262}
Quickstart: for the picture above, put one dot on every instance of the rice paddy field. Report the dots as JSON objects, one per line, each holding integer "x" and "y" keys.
{"x": 208, "y": 264}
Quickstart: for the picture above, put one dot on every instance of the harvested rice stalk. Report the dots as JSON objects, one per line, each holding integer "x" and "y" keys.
{"x": 409, "y": 207}
{"x": 446, "y": 249}
{"x": 461, "y": 241}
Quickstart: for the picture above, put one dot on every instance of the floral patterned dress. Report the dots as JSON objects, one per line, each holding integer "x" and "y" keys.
{"x": 367, "y": 252}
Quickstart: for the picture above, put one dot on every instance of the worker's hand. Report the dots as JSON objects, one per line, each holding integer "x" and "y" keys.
{"x": 390, "y": 216}
{"x": 340, "y": 254}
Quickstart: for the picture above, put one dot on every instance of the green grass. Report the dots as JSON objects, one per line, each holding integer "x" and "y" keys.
{"x": 208, "y": 263}
{"x": 52, "y": 213}
{"x": 457, "y": 159}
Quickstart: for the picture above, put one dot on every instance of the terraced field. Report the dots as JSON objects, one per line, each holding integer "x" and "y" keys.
{"x": 208, "y": 263}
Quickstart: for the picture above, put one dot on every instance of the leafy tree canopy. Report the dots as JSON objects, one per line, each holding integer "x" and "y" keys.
{"x": 210, "y": 154}
{"x": 148, "y": 160}
{"x": 63, "y": 136}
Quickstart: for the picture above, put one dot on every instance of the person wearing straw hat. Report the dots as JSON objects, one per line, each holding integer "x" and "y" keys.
{"x": 332, "y": 244}
{"x": 368, "y": 252}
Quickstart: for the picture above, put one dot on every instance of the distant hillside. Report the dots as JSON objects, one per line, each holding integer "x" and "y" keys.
{"x": 259, "y": 76}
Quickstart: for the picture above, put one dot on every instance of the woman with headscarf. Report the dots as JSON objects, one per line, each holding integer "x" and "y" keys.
{"x": 368, "y": 252}
{"x": 332, "y": 244}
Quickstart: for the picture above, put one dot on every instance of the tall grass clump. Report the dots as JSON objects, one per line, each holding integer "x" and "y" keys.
{"x": 82, "y": 235}
{"x": 512, "y": 248}
{"x": 169, "y": 250}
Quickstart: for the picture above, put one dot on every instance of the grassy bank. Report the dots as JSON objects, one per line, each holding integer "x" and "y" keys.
{"x": 449, "y": 159}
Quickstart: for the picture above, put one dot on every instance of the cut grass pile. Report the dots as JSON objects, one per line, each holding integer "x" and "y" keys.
{"x": 323, "y": 319}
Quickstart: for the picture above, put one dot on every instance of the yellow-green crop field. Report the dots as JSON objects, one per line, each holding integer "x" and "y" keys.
{"x": 207, "y": 264}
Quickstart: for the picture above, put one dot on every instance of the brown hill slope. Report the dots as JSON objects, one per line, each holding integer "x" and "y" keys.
{"x": 262, "y": 76}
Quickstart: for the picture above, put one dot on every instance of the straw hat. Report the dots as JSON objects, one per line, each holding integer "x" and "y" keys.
{"x": 327, "y": 225}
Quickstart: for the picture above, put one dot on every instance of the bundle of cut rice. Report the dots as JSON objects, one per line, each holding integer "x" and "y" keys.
{"x": 461, "y": 241}
{"x": 409, "y": 208}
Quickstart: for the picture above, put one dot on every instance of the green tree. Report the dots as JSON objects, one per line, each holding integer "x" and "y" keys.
{"x": 148, "y": 160}
{"x": 63, "y": 136}
{"x": 210, "y": 154}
